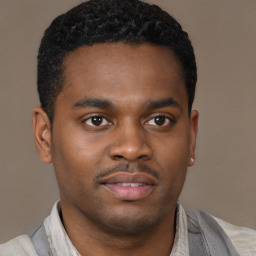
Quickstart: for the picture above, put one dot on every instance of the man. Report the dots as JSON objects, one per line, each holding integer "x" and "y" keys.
{"x": 116, "y": 81}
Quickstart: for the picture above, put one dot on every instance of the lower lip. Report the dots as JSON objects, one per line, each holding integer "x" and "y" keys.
{"x": 129, "y": 193}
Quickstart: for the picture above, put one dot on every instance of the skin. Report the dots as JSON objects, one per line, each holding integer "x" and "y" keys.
{"x": 139, "y": 83}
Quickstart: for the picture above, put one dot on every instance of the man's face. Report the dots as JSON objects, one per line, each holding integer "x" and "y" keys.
{"x": 122, "y": 136}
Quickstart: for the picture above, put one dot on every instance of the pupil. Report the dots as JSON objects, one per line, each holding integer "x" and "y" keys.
{"x": 97, "y": 120}
{"x": 160, "y": 120}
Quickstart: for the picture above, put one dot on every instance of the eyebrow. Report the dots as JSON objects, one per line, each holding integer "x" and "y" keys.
{"x": 166, "y": 102}
{"x": 96, "y": 103}
{"x": 103, "y": 103}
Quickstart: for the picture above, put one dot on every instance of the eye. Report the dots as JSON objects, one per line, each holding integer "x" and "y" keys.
{"x": 159, "y": 121}
{"x": 97, "y": 121}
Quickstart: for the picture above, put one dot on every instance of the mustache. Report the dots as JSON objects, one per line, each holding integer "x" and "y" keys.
{"x": 129, "y": 168}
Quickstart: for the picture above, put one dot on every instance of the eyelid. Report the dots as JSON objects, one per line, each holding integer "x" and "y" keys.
{"x": 166, "y": 115}
{"x": 152, "y": 119}
{"x": 94, "y": 114}
{"x": 90, "y": 116}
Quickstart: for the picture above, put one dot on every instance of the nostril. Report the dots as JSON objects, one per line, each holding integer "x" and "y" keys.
{"x": 118, "y": 156}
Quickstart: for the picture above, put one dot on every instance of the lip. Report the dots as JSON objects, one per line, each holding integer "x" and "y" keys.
{"x": 141, "y": 185}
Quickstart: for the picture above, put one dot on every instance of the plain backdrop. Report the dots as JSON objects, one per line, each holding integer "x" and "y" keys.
{"x": 223, "y": 179}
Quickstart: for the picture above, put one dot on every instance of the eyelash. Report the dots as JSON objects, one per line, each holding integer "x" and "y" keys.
{"x": 166, "y": 119}
{"x": 97, "y": 116}
{"x": 106, "y": 122}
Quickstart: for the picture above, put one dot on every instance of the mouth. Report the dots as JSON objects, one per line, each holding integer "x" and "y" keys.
{"x": 129, "y": 186}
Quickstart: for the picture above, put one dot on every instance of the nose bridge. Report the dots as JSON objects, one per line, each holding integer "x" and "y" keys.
{"x": 130, "y": 142}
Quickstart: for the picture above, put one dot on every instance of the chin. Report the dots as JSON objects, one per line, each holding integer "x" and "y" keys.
{"x": 128, "y": 223}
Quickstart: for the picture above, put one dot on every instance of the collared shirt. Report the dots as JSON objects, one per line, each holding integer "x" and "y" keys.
{"x": 243, "y": 239}
{"x": 62, "y": 246}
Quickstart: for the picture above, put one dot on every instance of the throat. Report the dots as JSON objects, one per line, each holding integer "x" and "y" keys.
{"x": 94, "y": 240}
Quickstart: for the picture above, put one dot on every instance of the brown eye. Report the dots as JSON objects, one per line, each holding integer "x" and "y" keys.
{"x": 159, "y": 121}
{"x": 97, "y": 121}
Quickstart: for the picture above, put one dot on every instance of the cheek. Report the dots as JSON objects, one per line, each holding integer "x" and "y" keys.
{"x": 172, "y": 159}
{"x": 172, "y": 152}
{"x": 74, "y": 149}
{"x": 75, "y": 161}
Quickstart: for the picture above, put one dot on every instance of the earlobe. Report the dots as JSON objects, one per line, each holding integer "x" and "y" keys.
{"x": 191, "y": 161}
{"x": 42, "y": 134}
{"x": 193, "y": 135}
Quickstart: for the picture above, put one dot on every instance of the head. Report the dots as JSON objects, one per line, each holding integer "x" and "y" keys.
{"x": 116, "y": 80}
{"x": 109, "y": 21}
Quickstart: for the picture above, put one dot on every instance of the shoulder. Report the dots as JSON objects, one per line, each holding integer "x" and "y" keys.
{"x": 244, "y": 239}
{"x": 239, "y": 239}
{"x": 19, "y": 246}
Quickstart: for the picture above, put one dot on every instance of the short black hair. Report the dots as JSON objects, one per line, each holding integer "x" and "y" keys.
{"x": 109, "y": 21}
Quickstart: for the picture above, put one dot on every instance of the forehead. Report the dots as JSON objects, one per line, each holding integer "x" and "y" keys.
{"x": 118, "y": 70}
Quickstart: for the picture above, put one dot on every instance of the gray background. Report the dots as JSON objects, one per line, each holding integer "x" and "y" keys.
{"x": 223, "y": 178}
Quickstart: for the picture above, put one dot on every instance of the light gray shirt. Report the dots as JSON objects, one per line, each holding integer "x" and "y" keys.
{"x": 243, "y": 239}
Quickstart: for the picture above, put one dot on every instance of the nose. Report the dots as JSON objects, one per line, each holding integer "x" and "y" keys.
{"x": 130, "y": 144}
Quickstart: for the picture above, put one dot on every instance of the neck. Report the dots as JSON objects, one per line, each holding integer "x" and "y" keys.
{"x": 92, "y": 240}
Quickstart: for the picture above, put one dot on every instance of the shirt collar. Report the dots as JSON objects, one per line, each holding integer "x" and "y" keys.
{"x": 62, "y": 246}
{"x": 57, "y": 236}
{"x": 180, "y": 245}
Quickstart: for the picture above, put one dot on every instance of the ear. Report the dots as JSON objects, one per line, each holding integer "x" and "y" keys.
{"x": 42, "y": 134}
{"x": 193, "y": 134}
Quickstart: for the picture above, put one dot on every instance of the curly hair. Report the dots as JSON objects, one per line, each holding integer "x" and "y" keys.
{"x": 109, "y": 21}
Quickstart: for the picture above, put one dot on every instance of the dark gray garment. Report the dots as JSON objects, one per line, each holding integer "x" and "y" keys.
{"x": 205, "y": 238}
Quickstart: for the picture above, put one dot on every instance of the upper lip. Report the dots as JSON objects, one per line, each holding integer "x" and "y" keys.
{"x": 121, "y": 177}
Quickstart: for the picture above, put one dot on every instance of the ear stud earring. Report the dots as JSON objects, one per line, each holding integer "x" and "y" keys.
{"x": 191, "y": 161}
